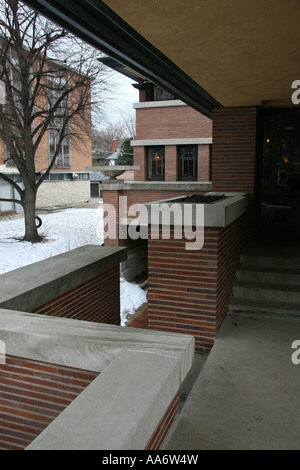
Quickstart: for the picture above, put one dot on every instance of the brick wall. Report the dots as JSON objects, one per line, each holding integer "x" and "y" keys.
{"x": 32, "y": 395}
{"x": 81, "y": 154}
{"x": 157, "y": 439}
{"x": 189, "y": 291}
{"x": 171, "y": 166}
{"x": 133, "y": 197}
{"x": 97, "y": 300}
{"x": 171, "y": 122}
{"x": 234, "y": 154}
{"x": 230, "y": 242}
{"x": 171, "y": 163}
{"x": 204, "y": 163}
{"x": 139, "y": 155}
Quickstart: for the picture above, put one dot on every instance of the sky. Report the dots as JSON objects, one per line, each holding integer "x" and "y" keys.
{"x": 122, "y": 98}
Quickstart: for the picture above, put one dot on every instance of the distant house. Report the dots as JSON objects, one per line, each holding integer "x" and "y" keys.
{"x": 111, "y": 160}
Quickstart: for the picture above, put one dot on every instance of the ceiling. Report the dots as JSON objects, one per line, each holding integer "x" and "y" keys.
{"x": 241, "y": 52}
{"x": 209, "y": 53}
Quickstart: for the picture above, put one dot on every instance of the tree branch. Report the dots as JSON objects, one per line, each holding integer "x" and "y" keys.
{"x": 16, "y": 201}
{"x": 12, "y": 183}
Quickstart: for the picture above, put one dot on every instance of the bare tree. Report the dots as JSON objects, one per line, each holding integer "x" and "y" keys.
{"x": 48, "y": 75}
{"x": 120, "y": 130}
{"x": 129, "y": 124}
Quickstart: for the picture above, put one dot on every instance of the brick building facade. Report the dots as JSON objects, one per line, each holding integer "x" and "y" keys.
{"x": 68, "y": 181}
{"x": 188, "y": 291}
{"x": 182, "y": 135}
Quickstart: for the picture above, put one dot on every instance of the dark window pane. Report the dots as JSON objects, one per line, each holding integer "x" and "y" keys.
{"x": 156, "y": 163}
{"x": 161, "y": 94}
{"x": 187, "y": 162}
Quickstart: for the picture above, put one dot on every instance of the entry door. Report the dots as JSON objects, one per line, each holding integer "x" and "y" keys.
{"x": 280, "y": 201}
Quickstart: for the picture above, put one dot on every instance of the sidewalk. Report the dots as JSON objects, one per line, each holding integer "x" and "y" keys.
{"x": 246, "y": 396}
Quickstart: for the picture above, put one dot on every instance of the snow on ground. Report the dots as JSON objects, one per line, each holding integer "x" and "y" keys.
{"x": 63, "y": 230}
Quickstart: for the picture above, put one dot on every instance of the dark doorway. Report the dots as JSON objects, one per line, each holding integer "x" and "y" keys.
{"x": 95, "y": 190}
{"x": 280, "y": 191}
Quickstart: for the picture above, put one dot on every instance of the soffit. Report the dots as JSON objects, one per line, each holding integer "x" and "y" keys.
{"x": 240, "y": 52}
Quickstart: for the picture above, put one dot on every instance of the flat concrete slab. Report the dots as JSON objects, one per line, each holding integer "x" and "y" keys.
{"x": 247, "y": 393}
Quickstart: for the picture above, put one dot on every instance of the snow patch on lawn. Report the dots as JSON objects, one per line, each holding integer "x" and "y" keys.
{"x": 132, "y": 297}
{"x": 64, "y": 230}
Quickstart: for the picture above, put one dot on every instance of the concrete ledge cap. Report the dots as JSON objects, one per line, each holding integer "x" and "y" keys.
{"x": 157, "y": 186}
{"x": 158, "y": 104}
{"x": 24, "y": 288}
{"x": 119, "y": 410}
{"x": 86, "y": 345}
{"x": 218, "y": 214}
{"x": 174, "y": 141}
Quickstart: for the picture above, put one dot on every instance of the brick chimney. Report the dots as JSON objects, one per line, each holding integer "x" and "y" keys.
{"x": 114, "y": 148}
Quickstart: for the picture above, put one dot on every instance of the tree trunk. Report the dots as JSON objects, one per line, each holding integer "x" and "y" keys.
{"x": 31, "y": 232}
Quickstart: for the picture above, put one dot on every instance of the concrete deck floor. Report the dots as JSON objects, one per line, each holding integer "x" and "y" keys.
{"x": 247, "y": 393}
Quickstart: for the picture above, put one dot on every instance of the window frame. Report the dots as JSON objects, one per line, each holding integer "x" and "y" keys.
{"x": 63, "y": 160}
{"x": 151, "y": 152}
{"x": 182, "y": 157}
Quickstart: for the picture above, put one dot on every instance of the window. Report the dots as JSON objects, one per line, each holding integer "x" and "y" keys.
{"x": 63, "y": 159}
{"x": 156, "y": 163}
{"x": 161, "y": 94}
{"x": 187, "y": 162}
{"x": 59, "y": 127}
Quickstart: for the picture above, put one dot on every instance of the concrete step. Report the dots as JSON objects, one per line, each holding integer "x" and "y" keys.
{"x": 268, "y": 280}
{"x": 282, "y": 276}
{"x": 264, "y": 307}
{"x": 270, "y": 261}
{"x": 267, "y": 291}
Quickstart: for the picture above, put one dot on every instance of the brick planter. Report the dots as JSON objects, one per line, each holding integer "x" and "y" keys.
{"x": 189, "y": 291}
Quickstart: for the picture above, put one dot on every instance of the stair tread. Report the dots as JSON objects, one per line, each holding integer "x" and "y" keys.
{"x": 267, "y": 286}
{"x": 264, "y": 304}
{"x": 265, "y": 261}
{"x": 269, "y": 269}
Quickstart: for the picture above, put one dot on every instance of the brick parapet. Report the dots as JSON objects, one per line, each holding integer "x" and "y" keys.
{"x": 171, "y": 122}
{"x": 82, "y": 284}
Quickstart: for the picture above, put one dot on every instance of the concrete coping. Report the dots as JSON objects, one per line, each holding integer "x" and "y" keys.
{"x": 158, "y": 104}
{"x": 156, "y": 186}
{"x": 172, "y": 212}
{"x": 217, "y": 214}
{"x": 141, "y": 372}
{"x": 27, "y": 287}
{"x": 119, "y": 410}
{"x": 174, "y": 141}
{"x": 84, "y": 344}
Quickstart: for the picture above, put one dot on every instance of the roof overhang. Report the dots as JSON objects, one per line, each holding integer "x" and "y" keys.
{"x": 97, "y": 24}
{"x": 206, "y": 52}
